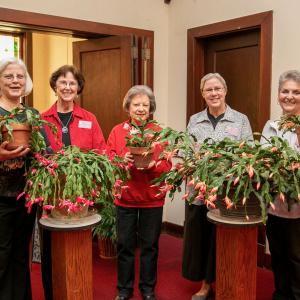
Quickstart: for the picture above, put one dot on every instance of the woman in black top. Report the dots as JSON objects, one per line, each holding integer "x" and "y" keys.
{"x": 15, "y": 223}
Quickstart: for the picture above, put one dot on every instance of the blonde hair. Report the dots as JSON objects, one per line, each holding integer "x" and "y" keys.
{"x": 210, "y": 76}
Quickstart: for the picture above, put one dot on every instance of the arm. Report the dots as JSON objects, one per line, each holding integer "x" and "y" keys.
{"x": 98, "y": 139}
{"x": 246, "y": 131}
{"x": 11, "y": 154}
{"x": 267, "y": 133}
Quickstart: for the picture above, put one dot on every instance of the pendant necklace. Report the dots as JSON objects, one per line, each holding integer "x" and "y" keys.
{"x": 64, "y": 127}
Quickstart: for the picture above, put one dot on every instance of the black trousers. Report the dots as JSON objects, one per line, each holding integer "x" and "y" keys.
{"x": 46, "y": 262}
{"x": 16, "y": 227}
{"x": 199, "y": 245}
{"x": 147, "y": 222}
{"x": 284, "y": 240}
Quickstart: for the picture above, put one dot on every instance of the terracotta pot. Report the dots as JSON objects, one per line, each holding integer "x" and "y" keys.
{"x": 142, "y": 156}
{"x": 21, "y": 136}
{"x": 239, "y": 211}
{"x": 62, "y": 213}
{"x": 107, "y": 249}
{"x": 298, "y": 134}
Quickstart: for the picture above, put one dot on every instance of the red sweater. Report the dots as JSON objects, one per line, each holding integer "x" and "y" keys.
{"x": 140, "y": 192}
{"x": 85, "y": 131}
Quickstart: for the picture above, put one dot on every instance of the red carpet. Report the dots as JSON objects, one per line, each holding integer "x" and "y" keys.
{"x": 171, "y": 285}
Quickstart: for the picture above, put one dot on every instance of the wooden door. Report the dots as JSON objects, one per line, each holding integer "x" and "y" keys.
{"x": 107, "y": 65}
{"x": 236, "y": 57}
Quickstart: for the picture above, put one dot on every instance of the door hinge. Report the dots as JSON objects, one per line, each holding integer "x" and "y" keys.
{"x": 134, "y": 52}
{"x": 146, "y": 54}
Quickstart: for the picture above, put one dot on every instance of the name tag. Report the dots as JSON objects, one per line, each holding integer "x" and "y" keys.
{"x": 233, "y": 131}
{"x": 85, "y": 124}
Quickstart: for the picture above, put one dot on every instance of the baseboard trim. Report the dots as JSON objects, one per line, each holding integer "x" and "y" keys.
{"x": 172, "y": 229}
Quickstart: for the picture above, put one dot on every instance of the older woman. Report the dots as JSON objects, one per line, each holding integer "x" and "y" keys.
{"x": 15, "y": 223}
{"x": 283, "y": 224}
{"x": 76, "y": 126}
{"x": 140, "y": 207}
{"x": 217, "y": 121}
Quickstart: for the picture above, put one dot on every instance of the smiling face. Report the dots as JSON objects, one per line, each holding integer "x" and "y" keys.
{"x": 214, "y": 94}
{"x": 12, "y": 82}
{"x": 289, "y": 97}
{"x": 139, "y": 108}
{"x": 66, "y": 87}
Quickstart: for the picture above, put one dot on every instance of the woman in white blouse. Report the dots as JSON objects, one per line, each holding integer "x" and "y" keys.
{"x": 283, "y": 225}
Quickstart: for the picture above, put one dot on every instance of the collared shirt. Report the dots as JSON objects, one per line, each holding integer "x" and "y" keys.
{"x": 281, "y": 208}
{"x": 233, "y": 125}
{"x": 85, "y": 131}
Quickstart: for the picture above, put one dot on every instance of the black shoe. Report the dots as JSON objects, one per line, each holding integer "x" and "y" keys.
{"x": 123, "y": 297}
{"x": 149, "y": 297}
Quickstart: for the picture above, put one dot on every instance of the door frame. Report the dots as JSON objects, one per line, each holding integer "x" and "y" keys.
{"x": 195, "y": 59}
{"x": 30, "y": 21}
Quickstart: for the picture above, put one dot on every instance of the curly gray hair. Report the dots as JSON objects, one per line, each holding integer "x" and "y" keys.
{"x": 288, "y": 75}
{"x": 139, "y": 90}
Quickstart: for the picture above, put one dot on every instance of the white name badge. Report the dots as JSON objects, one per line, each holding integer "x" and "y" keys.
{"x": 85, "y": 124}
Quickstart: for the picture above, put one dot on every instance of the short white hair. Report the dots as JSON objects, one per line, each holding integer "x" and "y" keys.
{"x": 210, "y": 76}
{"x": 16, "y": 61}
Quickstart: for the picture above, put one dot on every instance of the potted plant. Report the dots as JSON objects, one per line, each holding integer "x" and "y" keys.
{"x": 290, "y": 122}
{"x": 140, "y": 139}
{"x": 241, "y": 174}
{"x": 66, "y": 183}
{"x": 22, "y": 127}
{"x": 106, "y": 230}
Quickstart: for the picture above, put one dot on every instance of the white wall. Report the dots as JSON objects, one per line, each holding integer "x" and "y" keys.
{"x": 170, "y": 24}
{"x": 142, "y": 14}
{"x": 49, "y": 53}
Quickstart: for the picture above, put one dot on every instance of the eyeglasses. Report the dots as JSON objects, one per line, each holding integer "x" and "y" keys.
{"x": 12, "y": 77}
{"x": 64, "y": 84}
{"x": 210, "y": 91}
{"x": 287, "y": 92}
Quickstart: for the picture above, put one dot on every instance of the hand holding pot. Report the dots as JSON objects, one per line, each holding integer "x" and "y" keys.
{"x": 11, "y": 154}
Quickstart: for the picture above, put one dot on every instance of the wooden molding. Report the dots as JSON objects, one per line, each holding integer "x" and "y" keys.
{"x": 43, "y": 22}
{"x": 195, "y": 54}
{"x": 172, "y": 229}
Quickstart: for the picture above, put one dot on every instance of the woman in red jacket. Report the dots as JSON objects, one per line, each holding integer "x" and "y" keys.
{"x": 76, "y": 126}
{"x": 140, "y": 205}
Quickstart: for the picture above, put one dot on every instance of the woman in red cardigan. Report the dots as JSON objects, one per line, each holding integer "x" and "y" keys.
{"x": 76, "y": 126}
{"x": 140, "y": 205}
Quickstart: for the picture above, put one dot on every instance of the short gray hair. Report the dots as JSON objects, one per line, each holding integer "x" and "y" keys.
{"x": 139, "y": 90}
{"x": 16, "y": 61}
{"x": 288, "y": 75}
{"x": 210, "y": 76}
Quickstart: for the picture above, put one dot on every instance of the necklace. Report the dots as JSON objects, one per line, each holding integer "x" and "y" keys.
{"x": 64, "y": 127}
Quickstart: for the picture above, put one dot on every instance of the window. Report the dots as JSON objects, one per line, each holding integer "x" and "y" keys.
{"x": 9, "y": 46}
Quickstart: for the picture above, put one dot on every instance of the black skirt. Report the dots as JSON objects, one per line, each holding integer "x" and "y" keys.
{"x": 199, "y": 245}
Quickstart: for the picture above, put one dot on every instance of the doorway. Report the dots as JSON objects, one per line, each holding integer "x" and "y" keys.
{"x": 137, "y": 62}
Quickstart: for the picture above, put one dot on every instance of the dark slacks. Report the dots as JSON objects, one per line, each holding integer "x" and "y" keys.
{"x": 147, "y": 222}
{"x": 199, "y": 245}
{"x": 284, "y": 240}
{"x": 16, "y": 227}
{"x": 46, "y": 263}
